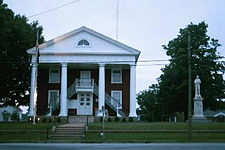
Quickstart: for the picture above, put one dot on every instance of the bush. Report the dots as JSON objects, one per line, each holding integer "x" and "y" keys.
{"x": 58, "y": 119}
{"x": 131, "y": 119}
{"x": 109, "y": 120}
{"x": 44, "y": 120}
{"x": 50, "y": 120}
{"x": 124, "y": 120}
{"x": 14, "y": 116}
{"x": 101, "y": 119}
{"x": 117, "y": 119}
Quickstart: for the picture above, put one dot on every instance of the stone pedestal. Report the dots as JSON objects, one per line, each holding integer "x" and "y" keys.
{"x": 198, "y": 110}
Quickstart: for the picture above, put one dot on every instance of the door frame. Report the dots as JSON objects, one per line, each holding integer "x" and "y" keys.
{"x": 80, "y": 111}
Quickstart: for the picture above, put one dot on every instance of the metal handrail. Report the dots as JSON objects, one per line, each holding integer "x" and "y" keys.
{"x": 108, "y": 101}
{"x": 84, "y": 82}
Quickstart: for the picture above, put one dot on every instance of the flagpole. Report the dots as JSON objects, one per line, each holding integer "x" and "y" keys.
{"x": 36, "y": 75}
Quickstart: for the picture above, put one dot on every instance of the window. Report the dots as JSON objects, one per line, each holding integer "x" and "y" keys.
{"x": 53, "y": 98}
{"x": 83, "y": 42}
{"x": 116, "y": 99}
{"x": 116, "y": 76}
{"x": 54, "y": 76}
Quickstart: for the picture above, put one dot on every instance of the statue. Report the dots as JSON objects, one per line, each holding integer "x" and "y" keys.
{"x": 197, "y": 87}
{"x": 198, "y": 105}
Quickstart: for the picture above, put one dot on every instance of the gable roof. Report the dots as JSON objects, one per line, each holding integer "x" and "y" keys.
{"x": 83, "y": 28}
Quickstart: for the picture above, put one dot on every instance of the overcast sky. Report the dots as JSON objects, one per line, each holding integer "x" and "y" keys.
{"x": 143, "y": 24}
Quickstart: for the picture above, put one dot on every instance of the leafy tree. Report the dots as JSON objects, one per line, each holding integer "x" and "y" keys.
{"x": 148, "y": 101}
{"x": 173, "y": 83}
{"x": 16, "y": 36}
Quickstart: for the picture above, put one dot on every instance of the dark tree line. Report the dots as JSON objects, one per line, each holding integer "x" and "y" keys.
{"x": 173, "y": 82}
{"x": 16, "y": 36}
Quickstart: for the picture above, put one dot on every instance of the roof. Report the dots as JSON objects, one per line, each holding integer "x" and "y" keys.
{"x": 210, "y": 113}
{"x": 219, "y": 114}
{"x": 83, "y": 28}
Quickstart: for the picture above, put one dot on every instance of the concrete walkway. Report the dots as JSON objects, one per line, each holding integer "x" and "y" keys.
{"x": 73, "y": 125}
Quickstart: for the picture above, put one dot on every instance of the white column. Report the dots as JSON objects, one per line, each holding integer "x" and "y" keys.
{"x": 101, "y": 90}
{"x": 33, "y": 92}
{"x": 132, "y": 91}
{"x": 63, "y": 96}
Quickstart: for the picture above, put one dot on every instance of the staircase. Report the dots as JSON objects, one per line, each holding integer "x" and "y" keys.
{"x": 51, "y": 110}
{"x": 108, "y": 99}
{"x": 68, "y": 132}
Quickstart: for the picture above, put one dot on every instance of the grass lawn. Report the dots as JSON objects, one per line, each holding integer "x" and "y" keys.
{"x": 24, "y": 132}
{"x": 27, "y": 132}
{"x": 155, "y": 136}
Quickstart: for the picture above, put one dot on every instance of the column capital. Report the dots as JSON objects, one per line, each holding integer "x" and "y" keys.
{"x": 64, "y": 64}
{"x": 133, "y": 65}
{"x": 33, "y": 64}
{"x": 101, "y": 64}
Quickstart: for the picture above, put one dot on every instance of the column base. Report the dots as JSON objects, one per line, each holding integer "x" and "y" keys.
{"x": 133, "y": 115}
{"x": 63, "y": 114}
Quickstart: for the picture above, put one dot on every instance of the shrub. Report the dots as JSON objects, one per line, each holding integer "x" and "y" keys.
{"x": 44, "y": 120}
{"x": 124, "y": 119}
{"x": 14, "y": 116}
{"x": 58, "y": 119}
{"x": 131, "y": 119}
{"x": 50, "y": 120}
{"x": 109, "y": 120}
{"x": 117, "y": 119}
{"x": 101, "y": 119}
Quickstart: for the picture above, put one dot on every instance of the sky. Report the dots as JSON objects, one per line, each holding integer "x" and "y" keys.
{"x": 145, "y": 25}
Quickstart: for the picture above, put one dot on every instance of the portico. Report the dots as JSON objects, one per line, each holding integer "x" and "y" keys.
{"x": 87, "y": 78}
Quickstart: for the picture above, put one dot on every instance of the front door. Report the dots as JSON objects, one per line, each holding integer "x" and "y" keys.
{"x": 85, "y": 74}
{"x": 85, "y": 104}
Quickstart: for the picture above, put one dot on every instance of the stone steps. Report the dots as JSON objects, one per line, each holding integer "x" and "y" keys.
{"x": 68, "y": 132}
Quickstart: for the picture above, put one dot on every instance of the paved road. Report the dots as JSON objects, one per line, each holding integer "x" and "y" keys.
{"x": 163, "y": 146}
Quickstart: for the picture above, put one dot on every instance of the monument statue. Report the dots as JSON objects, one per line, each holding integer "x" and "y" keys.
{"x": 197, "y": 87}
{"x": 198, "y": 105}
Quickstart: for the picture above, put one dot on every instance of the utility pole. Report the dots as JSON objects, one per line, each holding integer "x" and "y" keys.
{"x": 117, "y": 19}
{"x": 189, "y": 88}
{"x": 36, "y": 74}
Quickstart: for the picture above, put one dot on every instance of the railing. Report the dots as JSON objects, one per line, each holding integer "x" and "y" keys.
{"x": 84, "y": 83}
{"x": 111, "y": 102}
{"x": 51, "y": 109}
{"x": 71, "y": 90}
{"x": 80, "y": 84}
{"x": 89, "y": 83}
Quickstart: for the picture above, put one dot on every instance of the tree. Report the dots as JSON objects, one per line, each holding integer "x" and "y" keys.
{"x": 16, "y": 36}
{"x": 148, "y": 101}
{"x": 173, "y": 83}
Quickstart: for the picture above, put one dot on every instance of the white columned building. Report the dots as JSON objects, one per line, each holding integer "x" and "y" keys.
{"x": 33, "y": 89}
{"x": 132, "y": 112}
{"x": 82, "y": 72}
{"x": 101, "y": 91}
{"x": 63, "y": 96}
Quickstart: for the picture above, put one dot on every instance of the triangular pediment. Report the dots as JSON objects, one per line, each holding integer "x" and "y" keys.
{"x": 97, "y": 44}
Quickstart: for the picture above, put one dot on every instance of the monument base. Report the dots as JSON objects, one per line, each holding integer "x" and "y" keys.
{"x": 200, "y": 119}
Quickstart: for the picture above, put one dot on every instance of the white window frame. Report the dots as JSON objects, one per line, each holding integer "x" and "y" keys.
{"x": 121, "y": 97}
{"x": 121, "y": 76}
{"x": 58, "y": 79}
{"x": 49, "y": 91}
